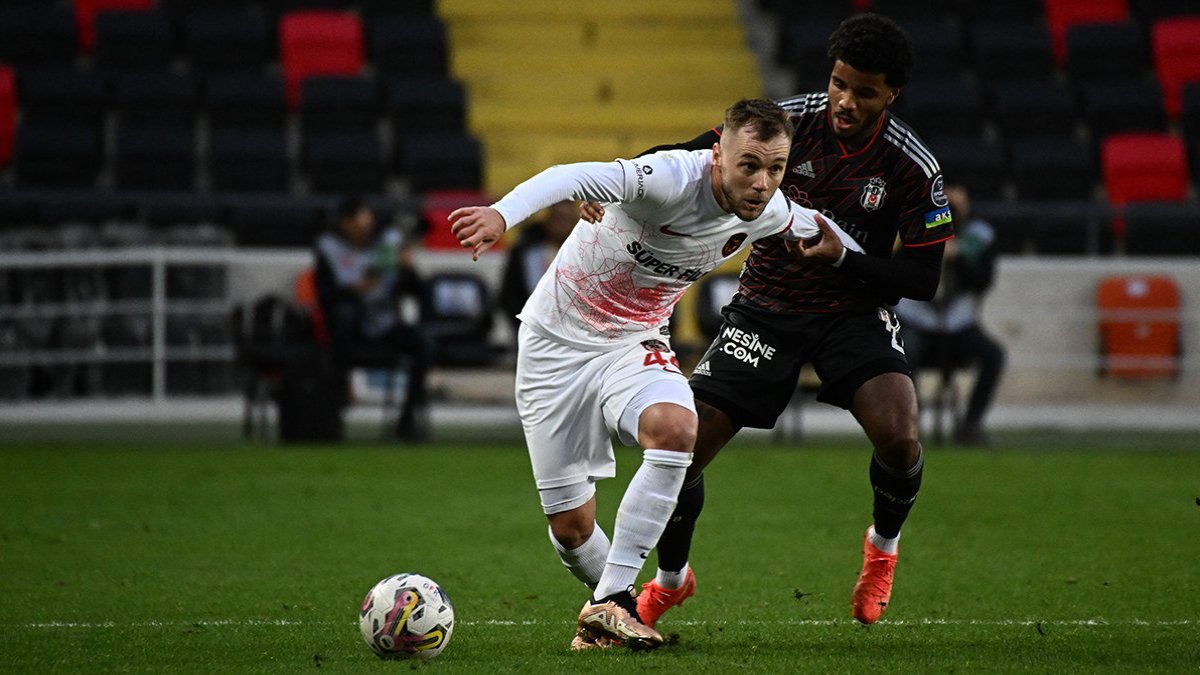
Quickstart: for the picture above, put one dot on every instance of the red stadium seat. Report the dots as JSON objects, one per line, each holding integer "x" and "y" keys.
{"x": 1062, "y": 14}
{"x": 8, "y": 113}
{"x": 1139, "y": 326}
{"x": 318, "y": 43}
{"x": 1175, "y": 44}
{"x": 86, "y": 11}
{"x": 435, "y": 215}
{"x": 1142, "y": 167}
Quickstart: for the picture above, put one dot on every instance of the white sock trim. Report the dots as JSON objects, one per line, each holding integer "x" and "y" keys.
{"x": 586, "y": 562}
{"x": 889, "y": 546}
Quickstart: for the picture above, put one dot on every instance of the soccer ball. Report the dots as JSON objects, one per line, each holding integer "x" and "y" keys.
{"x": 406, "y": 616}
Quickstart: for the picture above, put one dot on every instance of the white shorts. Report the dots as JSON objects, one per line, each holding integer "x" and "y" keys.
{"x": 571, "y": 400}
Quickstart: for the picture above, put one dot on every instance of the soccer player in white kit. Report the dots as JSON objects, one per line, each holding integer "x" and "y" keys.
{"x": 594, "y": 355}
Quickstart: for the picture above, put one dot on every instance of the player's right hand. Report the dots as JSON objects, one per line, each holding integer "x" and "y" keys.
{"x": 477, "y": 228}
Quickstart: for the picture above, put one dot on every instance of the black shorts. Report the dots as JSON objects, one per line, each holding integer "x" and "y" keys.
{"x": 751, "y": 369}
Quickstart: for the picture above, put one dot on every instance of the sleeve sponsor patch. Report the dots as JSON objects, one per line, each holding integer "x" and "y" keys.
{"x": 937, "y": 217}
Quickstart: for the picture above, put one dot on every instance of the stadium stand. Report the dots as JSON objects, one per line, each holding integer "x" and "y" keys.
{"x": 1052, "y": 168}
{"x": 87, "y": 10}
{"x": 8, "y": 113}
{"x": 1144, "y": 167}
{"x": 344, "y": 162}
{"x": 342, "y": 104}
{"x": 160, "y": 157}
{"x": 408, "y": 45}
{"x": 226, "y": 40}
{"x": 1061, "y": 15}
{"x": 1162, "y": 229}
{"x": 1112, "y": 107}
{"x": 1139, "y": 326}
{"x": 1034, "y": 110}
{"x": 1106, "y": 51}
{"x": 130, "y": 41}
{"x": 37, "y": 35}
{"x": 1007, "y": 50}
{"x": 248, "y": 101}
{"x": 249, "y": 161}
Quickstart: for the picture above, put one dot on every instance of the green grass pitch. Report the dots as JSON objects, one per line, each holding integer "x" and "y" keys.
{"x": 1046, "y": 554}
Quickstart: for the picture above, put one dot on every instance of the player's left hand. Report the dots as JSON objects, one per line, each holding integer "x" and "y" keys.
{"x": 827, "y": 246}
{"x": 592, "y": 212}
{"x": 477, "y": 228}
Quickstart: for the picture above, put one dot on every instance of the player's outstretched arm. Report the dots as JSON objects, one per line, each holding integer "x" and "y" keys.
{"x": 477, "y": 228}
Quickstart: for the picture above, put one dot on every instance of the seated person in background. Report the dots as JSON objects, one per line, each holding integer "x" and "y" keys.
{"x": 529, "y": 259}
{"x": 362, "y": 273}
{"x": 945, "y": 332}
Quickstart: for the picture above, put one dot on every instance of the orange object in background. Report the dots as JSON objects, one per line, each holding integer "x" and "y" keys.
{"x": 1139, "y": 326}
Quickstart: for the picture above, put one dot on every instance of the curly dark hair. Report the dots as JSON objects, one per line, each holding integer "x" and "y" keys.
{"x": 873, "y": 43}
{"x": 766, "y": 119}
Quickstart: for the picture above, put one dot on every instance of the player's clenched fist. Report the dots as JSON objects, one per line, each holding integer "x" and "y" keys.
{"x": 477, "y": 228}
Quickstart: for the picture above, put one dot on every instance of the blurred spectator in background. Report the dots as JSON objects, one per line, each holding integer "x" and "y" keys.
{"x": 529, "y": 259}
{"x": 363, "y": 273}
{"x": 945, "y": 332}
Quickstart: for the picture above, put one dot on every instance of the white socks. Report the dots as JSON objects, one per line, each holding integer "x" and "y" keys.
{"x": 888, "y": 546}
{"x": 642, "y": 517}
{"x": 587, "y": 561}
{"x": 671, "y": 580}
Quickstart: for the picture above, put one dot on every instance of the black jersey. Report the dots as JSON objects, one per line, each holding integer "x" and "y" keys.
{"x": 892, "y": 186}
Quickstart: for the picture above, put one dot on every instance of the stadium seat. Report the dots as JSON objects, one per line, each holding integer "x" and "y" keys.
{"x": 1116, "y": 107}
{"x": 165, "y": 211}
{"x": 906, "y": 11}
{"x": 249, "y": 161}
{"x": 318, "y": 43}
{"x": 411, "y": 45}
{"x": 1189, "y": 116}
{"x": 947, "y": 108}
{"x": 1038, "y": 109}
{"x": 1061, "y": 15}
{"x": 1144, "y": 167}
{"x": 1139, "y": 326}
{"x": 1010, "y": 221}
{"x": 63, "y": 96}
{"x": 1071, "y": 228}
{"x": 1106, "y": 51}
{"x": 1004, "y": 50}
{"x": 344, "y": 162}
{"x": 1021, "y": 11}
{"x": 281, "y": 222}
{"x": 435, "y": 210}
{"x": 227, "y": 41}
{"x": 8, "y": 113}
{"x": 802, "y": 48}
{"x": 245, "y": 101}
{"x": 17, "y": 210}
{"x": 1149, "y": 11}
{"x": 939, "y": 50}
{"x": 86, "y": 11}
{"x": 130, "y": 41}
{"x": 155, "y": 157}
{"x": 457, "y": 311}
{"x": 441, "y": 161}
{"x": 973, "y": 162}
{"x": 382, "y": 8}
{"x": 426, "y": 103}
{"x": 94, "y": 207}
{"x": 1053, "y": 169}
{"x": 37, "y": 35}
{"x": 1175, "y": 43}
{"x": 1162, "y": 228}
{"x": 54, "y": 154}
{"x": 156, "y": 99}
{"x": 339, "y": 104}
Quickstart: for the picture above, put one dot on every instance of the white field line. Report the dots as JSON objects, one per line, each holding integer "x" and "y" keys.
{"x": 217, "y": 623}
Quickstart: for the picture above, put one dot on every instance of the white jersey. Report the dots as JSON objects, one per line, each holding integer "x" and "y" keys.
{"x": 617, "y": 281}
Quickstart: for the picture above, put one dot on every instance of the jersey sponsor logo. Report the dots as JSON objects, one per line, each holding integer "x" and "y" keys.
{"x": 873, "y": 193}
{"x": 646, "y": 258}
{"x": 703, "y": 369}
{"x": 735, "y": 242}
{"x": 666, "y": 229}
{"x": 805, "y": 169}
{"x": 640, "y": 172}
{"x": 938, "y": 217}
{"x": 655, "y": 346}
{"x": 937, "y": 192}
{"x": 746, "y": 347}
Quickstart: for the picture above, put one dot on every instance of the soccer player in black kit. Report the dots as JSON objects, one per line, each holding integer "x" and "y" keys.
{"x": 854, "y": 161}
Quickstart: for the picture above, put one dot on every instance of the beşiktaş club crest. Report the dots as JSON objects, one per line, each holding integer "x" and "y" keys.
{"x": 873, "y": 194}
{"x": 734, "y": 243}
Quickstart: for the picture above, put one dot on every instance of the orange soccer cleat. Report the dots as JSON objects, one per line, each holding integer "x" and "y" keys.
{"x": 654, "y": 600}
{"x": 874, "y": 587}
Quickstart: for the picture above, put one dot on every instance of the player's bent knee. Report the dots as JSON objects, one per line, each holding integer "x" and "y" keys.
{"x": 572, "y": 528}
{"x": 667, "y": 426}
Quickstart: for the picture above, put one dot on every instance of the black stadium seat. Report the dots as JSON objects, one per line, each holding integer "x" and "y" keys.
{"x": 441, "y": 161}
{"x": 249, "y": 161}
{"x": 281, "y": 222}
{"x": 1007, "y": 50}
{"x": 342, "y": 104}
{"x": 227, "y": 41}
{"x": 972, "y": 162}
{"x": 63, "y": 96}
{"x": 1162, "y": 228}
{"x": 135, "y": 40}
{"x": 344, "y": 162}
{"x": 1072, "y": 228}
{"x": 425, "y": 103}
{"x": 1053, "y": 169}
{"x": 946, "y": 108}
{"x": 156, "y": 99}
{"x": 1106, "y": 51}
{"x": 939, "y": 50}
{"x": 245, "y": 101}
{"x": 156, "y": 158}
{"x": 1037, "y": 109}
{"x": 407, "y": 45}
{"x": 57, "y": 155}
{"x": 1131, "y": 105}
{"x": 33, "y": 35}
